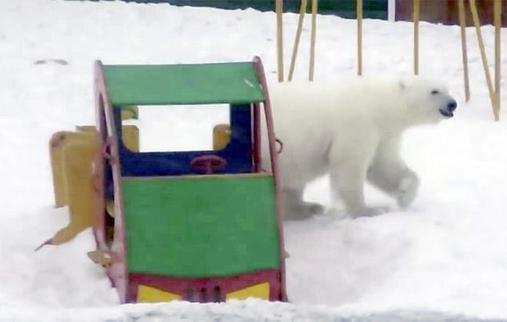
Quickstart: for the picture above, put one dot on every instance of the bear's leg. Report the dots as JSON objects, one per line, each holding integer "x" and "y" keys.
{"x": 348, "y": 186}
{"x": 390, "y": 174}
{"x": 294, "y": 208}
{"x": 347, "y": 177}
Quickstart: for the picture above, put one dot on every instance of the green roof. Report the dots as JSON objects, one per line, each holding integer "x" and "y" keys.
{"x": 230, "y": 83}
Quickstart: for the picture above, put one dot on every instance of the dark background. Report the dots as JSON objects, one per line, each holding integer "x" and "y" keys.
{"x": 439, "y": 11}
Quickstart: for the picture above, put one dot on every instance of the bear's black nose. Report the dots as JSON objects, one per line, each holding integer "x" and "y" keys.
{"x": 452, "y": 105}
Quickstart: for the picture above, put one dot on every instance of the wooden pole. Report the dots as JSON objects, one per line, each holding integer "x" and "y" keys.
{"x": 391, "y": 10}
{"x": 302, "y": 12}
{"x": 315, "y": 5}
{"x": 498, "y": 42}
{"x": 462, "y": 22}
{"x": 279, "y": 38}
{"x": 359, "y": 16}
{"x": 477, "y": 24}
{"x": 415, "y": 18}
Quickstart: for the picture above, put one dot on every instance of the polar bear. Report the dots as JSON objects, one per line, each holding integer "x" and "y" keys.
{"x": 352, "y": 130}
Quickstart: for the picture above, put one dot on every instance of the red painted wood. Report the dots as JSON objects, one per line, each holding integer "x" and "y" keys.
{"x": 206, "y": 289}
{"x": 117, "y": 272}
{"x": 274, "y": 166}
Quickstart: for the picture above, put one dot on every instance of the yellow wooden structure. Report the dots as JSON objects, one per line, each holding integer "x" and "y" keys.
{"x": 72, "y": 155}
{"x": 221, "y": 136}
{"x": 260, "y": 291}
{"x": 148, "y": 294}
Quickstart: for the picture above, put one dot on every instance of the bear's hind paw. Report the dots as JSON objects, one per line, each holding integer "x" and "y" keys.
{"x": 303, "y": 211}
{"x": 368, "y": 212}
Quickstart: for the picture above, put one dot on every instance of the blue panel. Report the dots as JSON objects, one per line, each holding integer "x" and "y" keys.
{"x": 238, "y": 152}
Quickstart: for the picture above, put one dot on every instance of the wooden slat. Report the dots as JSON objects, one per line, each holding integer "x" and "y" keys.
{"x": 315, "y": 6}
{"x": 302, "y": 12}
{"x": 498, "y": 53}
{"x": 279, "y": 38}
{"x": 484, "y": 59}
{"x": 359, "y": 15}
{"x": 415, "y": 18}
{"x": 231, "y": 83}
{"x": 462, "y": 22}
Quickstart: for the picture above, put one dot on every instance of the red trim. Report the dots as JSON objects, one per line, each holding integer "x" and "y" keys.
{"x": 118, "y": 270}
{"x": 98, "y": 170}
{"x": 274, "y": 166}
{"x": 205, "y": 289}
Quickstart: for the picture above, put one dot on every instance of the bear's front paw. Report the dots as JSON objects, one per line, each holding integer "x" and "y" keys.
{"x": 407, "y": 190}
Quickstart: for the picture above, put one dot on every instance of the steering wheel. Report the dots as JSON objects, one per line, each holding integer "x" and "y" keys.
{"x": 208, "y": 163}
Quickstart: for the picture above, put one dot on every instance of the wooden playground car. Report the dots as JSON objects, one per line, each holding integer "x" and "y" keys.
{"x": 195, "y": 225}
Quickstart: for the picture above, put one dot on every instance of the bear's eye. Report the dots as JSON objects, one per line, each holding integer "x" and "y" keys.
{"x": 435, "y": 92}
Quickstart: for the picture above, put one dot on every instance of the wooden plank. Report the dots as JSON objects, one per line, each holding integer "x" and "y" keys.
{"x": 359, "y": 15}
{"x": 462, "y": 22}
{"x": 279, "y": 38}
{"x": 201, "y": 228}
{"x": 484, "y": 58}
{"x": 231, "y": 83}
{"x": 498, "y": 57}
{"x": 302, "y": 12}
{"x": 313, "y": 39}
{"x": 415, "y": 19}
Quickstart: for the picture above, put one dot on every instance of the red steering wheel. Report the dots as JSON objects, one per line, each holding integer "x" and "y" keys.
{"x": 208, "y": 163}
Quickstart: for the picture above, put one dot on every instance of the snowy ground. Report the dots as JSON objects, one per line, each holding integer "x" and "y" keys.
{"x": 443, "y": 259}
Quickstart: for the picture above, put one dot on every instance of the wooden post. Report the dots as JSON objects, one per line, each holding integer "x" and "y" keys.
{"x": 415, "y": 18}
{"x": 391, "y": 10}
{"x": 462, "y": 22}
{"x": 279, "y": 38}
{"x": 302, "y": 12}
{"x": 315, "y": 5}
{"x": 477, "y": 24}
{"x": 359, "y": 17}
{"x": 498, "y": 42}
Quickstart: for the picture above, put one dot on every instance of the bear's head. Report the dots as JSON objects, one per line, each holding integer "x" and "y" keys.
{"x": 427, "y": 101}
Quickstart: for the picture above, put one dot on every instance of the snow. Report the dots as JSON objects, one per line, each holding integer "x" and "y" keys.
{"x": 445, "y": 258}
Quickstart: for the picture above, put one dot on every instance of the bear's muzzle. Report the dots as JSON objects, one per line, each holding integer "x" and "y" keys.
{"x": 448, "y": 110}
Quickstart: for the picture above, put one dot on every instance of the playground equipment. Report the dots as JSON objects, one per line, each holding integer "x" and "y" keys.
{"x": 72, "y": 154}
{"x": 195, "y": 225}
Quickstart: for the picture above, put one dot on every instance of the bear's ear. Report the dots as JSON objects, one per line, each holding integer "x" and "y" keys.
{"x": 401, "y": 84}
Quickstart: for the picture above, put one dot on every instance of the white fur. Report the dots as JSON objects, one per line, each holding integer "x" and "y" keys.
{"x": 351, "y": 130}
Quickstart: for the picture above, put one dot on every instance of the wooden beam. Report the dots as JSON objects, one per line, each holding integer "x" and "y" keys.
{"x": 462, "y": 22}
{"x": 359, "y": 16}
{"x": 415, "y": 18}
{"x": 302, "y": 12}
{"x": 498, "y": 56}
{"x": 279, "y": 38}
{"x": 477, "y": 24}
{"x": 315, "y": 6}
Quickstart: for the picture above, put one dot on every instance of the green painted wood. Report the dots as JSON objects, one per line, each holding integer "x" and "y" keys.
{"x": 200, "y": 226}
{"x": 228, "y": 83}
